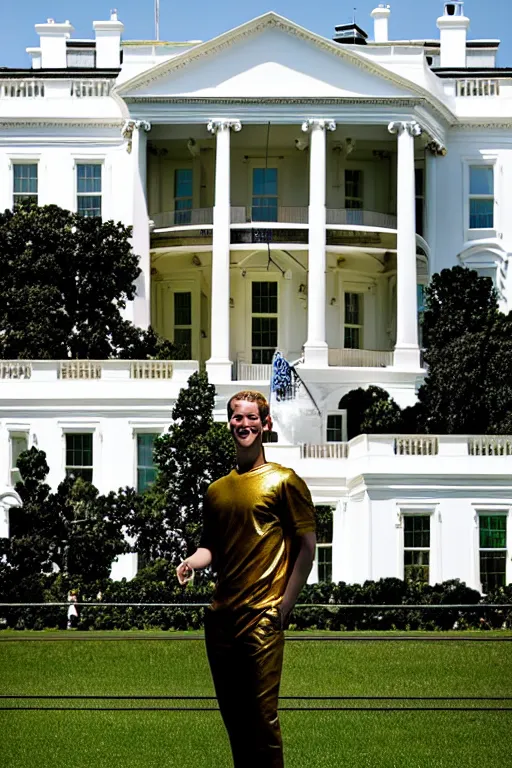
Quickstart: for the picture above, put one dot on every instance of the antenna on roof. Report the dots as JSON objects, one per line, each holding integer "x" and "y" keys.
{"x": 157, "y": 19}
{"x": 354, "y": 19}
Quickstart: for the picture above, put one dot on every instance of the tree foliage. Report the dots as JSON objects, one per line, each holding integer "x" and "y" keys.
{"x": 64, "y": 281}
{"x": 370, "y": 410}
{"x": 195, "y": 452}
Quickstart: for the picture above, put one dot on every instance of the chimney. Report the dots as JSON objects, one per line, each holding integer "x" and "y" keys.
{"x": 381, "y": 23}
{"x": 454, "y": 30}
{"x": 53, "y": 37}
{"x": 108, "y": 42}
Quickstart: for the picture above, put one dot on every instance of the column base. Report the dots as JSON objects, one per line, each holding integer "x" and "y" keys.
{"x": 219, "y": 371}
{"x": 407, "y": 358}
{"x": 316, "y": 355}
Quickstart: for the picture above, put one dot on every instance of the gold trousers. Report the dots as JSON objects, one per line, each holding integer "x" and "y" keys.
{"x": 245, "y": 652}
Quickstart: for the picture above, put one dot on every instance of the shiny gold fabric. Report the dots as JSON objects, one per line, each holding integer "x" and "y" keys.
{"x": 251, "y": 525}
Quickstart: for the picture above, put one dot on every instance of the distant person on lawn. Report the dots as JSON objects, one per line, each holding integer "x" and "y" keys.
{"x": 259, "y": 536}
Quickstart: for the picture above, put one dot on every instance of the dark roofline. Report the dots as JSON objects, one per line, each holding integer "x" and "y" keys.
{"x": 470, "y": 44}
{"x": 58, "y": 74}
{"x": 346, "y": 27}
{"x": 80, "y": 44}
{"x": 455, "y": 72}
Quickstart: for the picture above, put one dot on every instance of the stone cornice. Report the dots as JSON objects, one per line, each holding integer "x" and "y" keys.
{"x": 272, "y": 20}
{"x": 55, "y": 122}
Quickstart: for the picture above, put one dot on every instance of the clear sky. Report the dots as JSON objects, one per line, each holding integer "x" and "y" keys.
{"x": 203, "y": 19}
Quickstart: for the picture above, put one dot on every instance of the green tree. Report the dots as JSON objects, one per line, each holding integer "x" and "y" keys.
{"x": 370, "y": 410}
{"x": 196, "y": 451}
{"x": 64, "y": 281}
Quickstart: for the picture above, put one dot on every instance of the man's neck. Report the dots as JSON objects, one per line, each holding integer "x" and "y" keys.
{"x": 247, "y": 460}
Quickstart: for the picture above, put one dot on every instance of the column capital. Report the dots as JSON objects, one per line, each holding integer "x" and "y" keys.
{"x": 411, "y": 126}
{"x": 436, "y": 148}
{"x": 314, "y": 124}
{"x": 130, "y": 126}
{"x": 214, "y": 126}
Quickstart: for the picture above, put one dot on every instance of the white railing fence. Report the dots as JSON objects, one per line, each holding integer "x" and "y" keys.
{"x": 324, "y": 451}
{"x": 194, "y": 217}
{"x": 490, "y": 446}
{"x": 88, "y": 370}
{"x": 79, "y": 369}
{"x": 21, "y": 89}
{"x": 360, "y": 358}
{"x": 151, "y": 369}
{"x": 253, "y": 371}
{"x": 478, "y": 87}
{"x": 356, "y": 217}
{"x": 416, "y": 445}
{"x": 15, "y": 369}
{"x": 246, "y": 214}
{"x": 89, "y": 88}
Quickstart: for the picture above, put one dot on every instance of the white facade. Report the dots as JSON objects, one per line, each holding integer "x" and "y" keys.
{"x": 285, "y": 191}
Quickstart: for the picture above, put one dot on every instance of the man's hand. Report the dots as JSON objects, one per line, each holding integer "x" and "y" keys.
{"x": 184, "y": 572}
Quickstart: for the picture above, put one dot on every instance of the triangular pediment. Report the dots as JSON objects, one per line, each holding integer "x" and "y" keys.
{"x": 269, "y": 57}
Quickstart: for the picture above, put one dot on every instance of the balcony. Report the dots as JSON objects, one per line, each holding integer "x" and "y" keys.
{"x": 354, "y": 217}
{"x": 360, "y": 358}
{"x": 38, "y": 88}
{"x": 23, "y": 372}
{"x": 263, "y": 217}
{"x": 194, "y": 218}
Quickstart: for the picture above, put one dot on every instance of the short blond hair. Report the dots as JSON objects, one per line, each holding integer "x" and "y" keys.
{"x": 252, "y": 397}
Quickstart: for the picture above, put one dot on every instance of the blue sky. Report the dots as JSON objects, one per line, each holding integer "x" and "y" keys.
{"x": 204, "y": 19}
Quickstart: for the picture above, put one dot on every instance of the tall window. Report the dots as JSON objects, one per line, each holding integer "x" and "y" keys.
{"x": 183, "y": 195}
{"x": 146, "y": 470}
{"x": 481, "y": 197}
{"x": 334, "y": 428}
{"x": 264, "y": 194}
{"x": 353, "y": 320}
{"x": 419, "y": 177}
{"x": 324, "y": 528}
{"x": 416, "y": 547}
{"x": 264, "y": 321}
{"x": 19, "y": 443}
{"x": 88, "y": 189}
{"x": 183, "y": 321}
{"x": 79, "y": 455}
{"x": 24, "y": 183}
{"x": 354, "y": 201}
{"x": 493, "y": 551}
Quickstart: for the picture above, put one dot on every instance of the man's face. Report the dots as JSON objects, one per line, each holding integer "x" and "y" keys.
{"x": 245, "y": 423}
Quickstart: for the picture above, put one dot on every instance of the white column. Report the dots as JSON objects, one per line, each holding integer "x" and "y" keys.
{"x": 434, "y": 151}
{"x": 315, "y": 348}
{"x": 218, "y": 366}
{"x": 136, "y": 133}
{"x": 407, "y": 354}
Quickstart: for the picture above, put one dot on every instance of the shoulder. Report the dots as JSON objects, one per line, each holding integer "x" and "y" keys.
{"x": 288, "y": 477}
{"x": 219, "y": 484}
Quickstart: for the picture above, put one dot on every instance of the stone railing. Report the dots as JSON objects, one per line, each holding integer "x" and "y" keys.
{"x": 360, "y": 358}
{"x": 253, "y": 371}
{"x": 21, "y": 89}
{"x": 91, "y": 88}
{"x": 343, "y": 217}
{"x": 324, "y": 451}
{"x": 490, "y": 446}
{"x": 478, "y": 87}
{"x": 416, "y": 445}
{"x": 96, "y": 370}
{"x": 246, "y": 214}
{"x": 196, "y": 217}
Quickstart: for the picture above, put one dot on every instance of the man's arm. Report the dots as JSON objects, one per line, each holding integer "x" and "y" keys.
{"x": 201, "y": 558}
{"x": 299, "y": 575}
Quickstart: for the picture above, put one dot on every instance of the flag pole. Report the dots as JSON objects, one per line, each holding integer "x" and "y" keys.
{"x": 157, "y": 19}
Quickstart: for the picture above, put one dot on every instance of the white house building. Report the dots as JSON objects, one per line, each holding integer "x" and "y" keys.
{"x": 286, "y": 191}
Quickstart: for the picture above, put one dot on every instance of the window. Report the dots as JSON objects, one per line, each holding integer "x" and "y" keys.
{"x": 335, "y": 428}
{"x": 88, "y": 186}
{"x": 416, "y": 548}
{"x": 19, "y": 443}
{"x": 183, "y": 196}
{"x": 264, "y": 194}
{"x": 24, "y": 183}
{"x": 419, "y": 177}
{"x": 493, "y": 551}
{"x": 481, "y": 197}
{"x": 264, "y": 321}
{"x": 354, "y": 196}
{"x": 81, "y": 58}
{"x": 183, "y": 321}
{"x": 324, "y": 530}
{"x": 146, "y": 470}
{"x": 353, "y": 320}
{"x": 79, "y": 455}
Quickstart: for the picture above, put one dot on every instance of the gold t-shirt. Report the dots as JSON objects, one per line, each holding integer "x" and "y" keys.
{"x": 251, "y": 524}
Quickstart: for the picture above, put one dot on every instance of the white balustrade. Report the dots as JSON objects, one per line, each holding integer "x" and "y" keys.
{"x": 21, "y": 89}
{"x": 489, "y": 445}
{"x": 151, "y": 369}
{"x": 79, "y": 369}
{"x": 343, "y": 217}
{"x": 15, "y": 369}
{"x": 478, "y": 87}
{"x": 91, "y": 88}
{"x": 416, "y": 445}
{"x": 324, "y": 451}
{"x": 253, "y": 371}
{"x": 360, "y": 358}
{"x": 197, "y": 217}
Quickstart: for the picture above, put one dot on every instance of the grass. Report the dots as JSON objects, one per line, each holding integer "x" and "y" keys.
{"x": 77, "y": 739}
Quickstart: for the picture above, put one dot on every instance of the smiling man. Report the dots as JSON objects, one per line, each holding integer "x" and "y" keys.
{"x": 259, "y": 535}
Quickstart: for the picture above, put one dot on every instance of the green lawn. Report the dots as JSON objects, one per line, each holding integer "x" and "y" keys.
{"x": 78, "y": 739}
